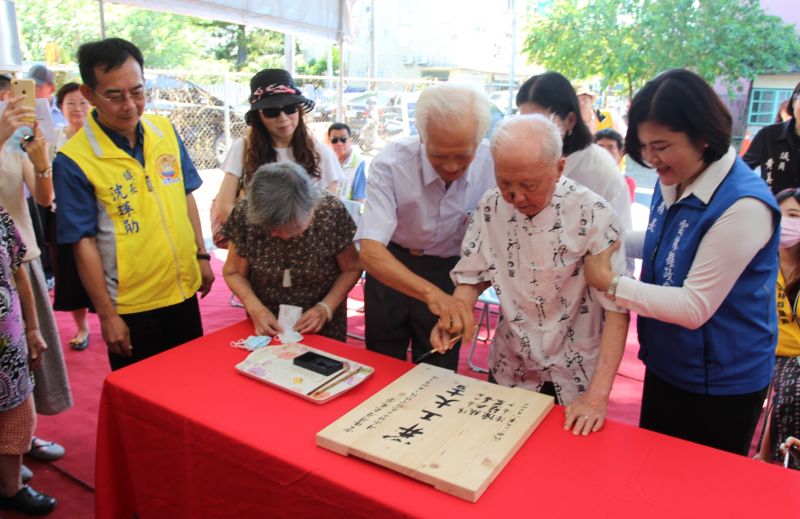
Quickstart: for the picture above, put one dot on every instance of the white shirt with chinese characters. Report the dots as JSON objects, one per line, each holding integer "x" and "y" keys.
{"x": 551, "y": 321}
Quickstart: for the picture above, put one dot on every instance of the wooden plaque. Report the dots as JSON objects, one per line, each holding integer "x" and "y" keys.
{"x": 451, "y": 431}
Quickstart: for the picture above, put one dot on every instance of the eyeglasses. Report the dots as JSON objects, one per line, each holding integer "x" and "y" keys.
{"x": 118, "y": 98}
{"x": 337, "y": 140}
{"x": 271, "y": 113}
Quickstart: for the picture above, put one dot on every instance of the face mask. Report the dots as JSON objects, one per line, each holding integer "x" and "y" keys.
{"x": 790, "y": 232}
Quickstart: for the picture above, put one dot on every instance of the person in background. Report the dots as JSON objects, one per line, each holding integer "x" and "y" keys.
{"x": 556, "y": 336}
{"x": 20, "y": 351}
{"x": 124, "y": 185}
{"x": 611, "y": 140}
{"x": 42, "y": 216}
{"x": 587, "y": 163}
{"x": 706, "y": 300}
{"x": 291, "y": 242}
{"x": 21, "y": 169}
{"x": 70, "y": 296}
{"x": 277, "y": 133}
{"x": 46, "y": 89}
{"x": 595, "y": 118}
{"x": 776, "y": 149}
{"x": 420, "y": 194}
{"x": 354, "y": 185}
{"x": 784, "y": 415}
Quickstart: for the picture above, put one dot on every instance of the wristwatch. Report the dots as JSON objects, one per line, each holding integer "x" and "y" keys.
{"x": 204, "y": 256}
{"x": 611, "y": 291}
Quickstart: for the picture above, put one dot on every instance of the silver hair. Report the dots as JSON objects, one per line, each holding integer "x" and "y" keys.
{"x": 527, "y": 130}
{"x": 280, "y": 195}
{"x": 448, "y": 102}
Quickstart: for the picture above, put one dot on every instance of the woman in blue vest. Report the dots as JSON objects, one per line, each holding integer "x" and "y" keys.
{"x": 706, "y": 299}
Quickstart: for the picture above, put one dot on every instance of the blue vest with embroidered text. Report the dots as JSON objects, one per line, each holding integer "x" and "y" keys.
{"x": 733, "y": 352}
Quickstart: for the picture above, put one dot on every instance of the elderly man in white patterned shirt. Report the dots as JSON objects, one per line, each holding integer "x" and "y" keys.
{"x": 528, "y": 238}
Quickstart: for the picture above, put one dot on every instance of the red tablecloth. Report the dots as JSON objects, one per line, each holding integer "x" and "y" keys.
{"x": 184, "y": 435}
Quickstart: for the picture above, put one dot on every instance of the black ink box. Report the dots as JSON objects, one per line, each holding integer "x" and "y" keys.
{"x": 318, "y": 363}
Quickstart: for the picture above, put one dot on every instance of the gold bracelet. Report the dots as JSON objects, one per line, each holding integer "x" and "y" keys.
{"x": 46, "y": 173}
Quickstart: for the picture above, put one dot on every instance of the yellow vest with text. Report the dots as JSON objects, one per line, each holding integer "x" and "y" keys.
{"x": 788, "y": 328}
{"x": 145, "y": 238}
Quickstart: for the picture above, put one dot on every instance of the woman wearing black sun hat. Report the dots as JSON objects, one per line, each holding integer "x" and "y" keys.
{"x": 278, "y": 133}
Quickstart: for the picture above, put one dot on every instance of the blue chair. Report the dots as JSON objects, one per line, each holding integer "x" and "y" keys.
{"x": 488, "y": 298}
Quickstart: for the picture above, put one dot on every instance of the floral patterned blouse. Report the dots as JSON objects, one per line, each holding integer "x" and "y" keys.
{"x": 15, "y": 378}
{"x": 299, "y": 271}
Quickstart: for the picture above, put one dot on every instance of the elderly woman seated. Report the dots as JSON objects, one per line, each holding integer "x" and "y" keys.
{"x": 291, "y": 243}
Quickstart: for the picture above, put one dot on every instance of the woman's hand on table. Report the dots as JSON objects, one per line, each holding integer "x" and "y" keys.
{"x": 312, "y": 320}
{"x": 264, "y": 321}
{"x": 586, "y": 414}
{"x": 597, "y": 267}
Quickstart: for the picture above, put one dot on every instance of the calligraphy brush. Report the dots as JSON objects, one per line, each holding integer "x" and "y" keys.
{"x": 429, "y": 353}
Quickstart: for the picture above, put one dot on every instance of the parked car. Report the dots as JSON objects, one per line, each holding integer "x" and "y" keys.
{"x": 198, "y": 116}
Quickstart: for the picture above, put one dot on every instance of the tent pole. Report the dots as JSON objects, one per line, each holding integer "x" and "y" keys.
{"x": 102, "y": 20}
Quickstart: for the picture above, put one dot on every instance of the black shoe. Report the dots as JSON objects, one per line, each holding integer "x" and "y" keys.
{"x": 28, "y": 501}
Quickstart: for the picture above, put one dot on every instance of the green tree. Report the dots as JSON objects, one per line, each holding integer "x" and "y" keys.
{"x": 629, "y": 41}
{"x": 314, "y": 67}
{"x": 66, "y": 23}
{"x": 244, "y": 48}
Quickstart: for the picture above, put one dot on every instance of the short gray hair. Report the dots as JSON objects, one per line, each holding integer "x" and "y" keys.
{"x": 280, "y": 194}
{"x": 527, "y": 130}
{"x": 448, "y": 102}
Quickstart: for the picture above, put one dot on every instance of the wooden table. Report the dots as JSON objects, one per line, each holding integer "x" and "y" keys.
{"x": 184, "y": 435}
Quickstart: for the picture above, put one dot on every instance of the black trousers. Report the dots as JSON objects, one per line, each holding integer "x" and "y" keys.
{"x": 156, "y": 331}
{"x": 724, "y": 422}
{"x": 392, "y": 319}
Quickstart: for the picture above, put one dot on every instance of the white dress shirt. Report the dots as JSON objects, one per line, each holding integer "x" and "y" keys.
{"x": 594, "y": 167}
{"x": 551, "y": 320}
{"x": 330, "y": 169}
{"x": 722, "y": 255}
{"x": 408, "y": 203}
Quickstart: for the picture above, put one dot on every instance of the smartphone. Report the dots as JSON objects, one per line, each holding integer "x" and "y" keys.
{"x": 27, "y": 88}
{"x": 318, "y": 363}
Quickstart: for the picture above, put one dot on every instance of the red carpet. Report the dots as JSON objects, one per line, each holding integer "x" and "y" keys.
{"x": 71, "y": 479}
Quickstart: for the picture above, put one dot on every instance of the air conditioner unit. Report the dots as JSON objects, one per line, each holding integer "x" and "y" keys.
{"x": 422, "y": 59}
{"x": 408, "y": 59}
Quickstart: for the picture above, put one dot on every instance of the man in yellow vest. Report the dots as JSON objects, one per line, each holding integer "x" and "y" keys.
{"x": 123, "y": 185}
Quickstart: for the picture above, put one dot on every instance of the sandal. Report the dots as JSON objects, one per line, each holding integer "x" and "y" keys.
{"x": 79, "y": 344}
{"x": 45, "y": 450}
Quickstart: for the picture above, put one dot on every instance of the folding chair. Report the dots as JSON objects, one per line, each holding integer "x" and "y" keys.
{"x": 488, "y": 298}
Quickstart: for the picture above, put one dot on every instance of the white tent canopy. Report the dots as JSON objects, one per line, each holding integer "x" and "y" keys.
{"x": 326, "y": 19}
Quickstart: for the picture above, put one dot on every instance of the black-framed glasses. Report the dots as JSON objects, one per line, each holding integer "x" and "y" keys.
{"x": 118, "y": 98}
{"x": 337, "y": 140}
{"x": 271, "y": 113}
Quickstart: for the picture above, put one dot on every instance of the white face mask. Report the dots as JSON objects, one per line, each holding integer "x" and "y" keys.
{"x": 790, "y": 232}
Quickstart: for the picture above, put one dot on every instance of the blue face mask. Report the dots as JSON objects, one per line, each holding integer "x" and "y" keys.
{"x": 14, "y": 142}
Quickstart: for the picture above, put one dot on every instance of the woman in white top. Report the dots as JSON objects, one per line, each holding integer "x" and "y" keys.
{"x": 69, "y": 293}
{"x": 552, "y": 94}
{"x": 278, "y": 133}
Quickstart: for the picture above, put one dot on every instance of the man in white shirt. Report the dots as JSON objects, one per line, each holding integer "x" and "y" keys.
{"x": 528, "y": 239}
{"x": 354, "y": 185}
{"x": 420, "y": 193}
